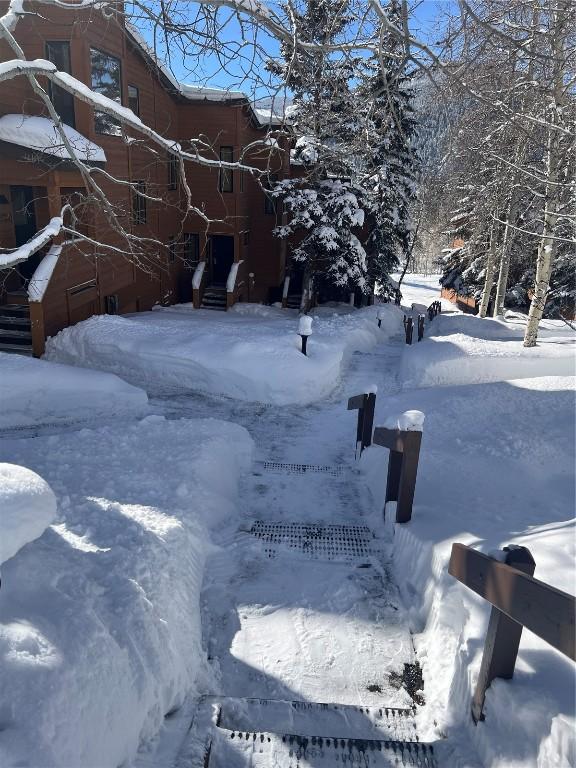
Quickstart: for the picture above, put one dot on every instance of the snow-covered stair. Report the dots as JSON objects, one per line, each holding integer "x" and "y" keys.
{"x": 236, "y": 733}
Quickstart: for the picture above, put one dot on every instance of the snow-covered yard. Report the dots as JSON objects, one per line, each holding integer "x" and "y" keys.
{"x": 251, "y": 353}
{"x": 100, "y": 635}
{"x": 150, "y": 588}
{"x": 464, "y": 349}
{"x": 35, "y": 392}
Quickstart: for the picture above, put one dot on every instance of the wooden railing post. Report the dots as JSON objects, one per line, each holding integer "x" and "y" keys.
{"x": 408, "y": 328}
{"x": 404, "y": 447}
{"x": 420, "y": 327}
{"x": 366, "y": 405}
{"x": 502, "y": 638}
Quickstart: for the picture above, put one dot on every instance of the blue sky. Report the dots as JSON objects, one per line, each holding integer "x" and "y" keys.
{"x": 226, "y": 71}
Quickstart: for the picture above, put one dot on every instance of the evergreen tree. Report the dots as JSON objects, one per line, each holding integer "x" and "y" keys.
{"x": 323, "y": 205}
{"x": 390, "y": 162}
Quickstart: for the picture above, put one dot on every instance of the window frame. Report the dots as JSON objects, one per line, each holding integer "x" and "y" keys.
{"x": 226, "y": 175}
{"x": 135, "y": 87}
{"x": 120, "y": 101}
{"x": 55, "y": 91}
{"x": 139, "y": 208}
{"x": 191, "y": 257}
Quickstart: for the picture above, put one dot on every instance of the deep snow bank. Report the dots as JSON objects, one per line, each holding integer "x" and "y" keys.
{"x": 27, "y": 507}
{"x": 38, "y": 392}
{"x": 251, "y": 353}
{"x": 463, "y": 349}
{"x": 496, "y": 467}
{"x": 100, "y": 634}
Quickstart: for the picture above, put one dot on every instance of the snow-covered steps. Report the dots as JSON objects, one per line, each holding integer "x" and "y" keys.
{"x": 214, "y": 298}
{"x": 15, "y": 329}
{"x": 229, "y": 732}
{"x": 306, "y": 718}
{"x": 348, "y": 543}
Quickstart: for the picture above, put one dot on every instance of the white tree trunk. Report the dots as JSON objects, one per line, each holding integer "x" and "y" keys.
{"x": 554, "y": 161}
{"x": 547, "y": 244}
{"x": 489, "y": 279}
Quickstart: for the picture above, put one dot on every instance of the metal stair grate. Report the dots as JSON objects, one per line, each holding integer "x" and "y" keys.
{"x": 302, "y": 469}
{"x": 262, "y": 750}
{"x": 325, "y": 542}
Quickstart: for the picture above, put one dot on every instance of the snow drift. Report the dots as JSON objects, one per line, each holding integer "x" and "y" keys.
{"x": 251, "y": 353}
{"x": 36, "y": 392}
{"x": 100, "y": 634}
{"x": 27, "y": 507}
{"x": 496, "y": 468}
{"x": 463, "y": 349}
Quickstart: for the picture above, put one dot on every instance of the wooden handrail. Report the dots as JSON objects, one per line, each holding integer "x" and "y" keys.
{"x": 518, "y": 600}
{"x": 541, "y": 608}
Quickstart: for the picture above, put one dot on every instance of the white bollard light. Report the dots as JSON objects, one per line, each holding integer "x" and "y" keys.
{"x": 305, "y": 330}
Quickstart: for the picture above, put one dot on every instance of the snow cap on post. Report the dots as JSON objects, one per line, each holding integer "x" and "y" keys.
{"x": 411, "y": 421}
{"x": 305, "y": 325}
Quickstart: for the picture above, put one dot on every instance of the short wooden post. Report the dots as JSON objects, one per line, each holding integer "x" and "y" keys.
{"x": 502, "y": 638}
{"x": 366, "y": 405}
{"x": 404, "y": 447}
{"x": 367, "y": 420}
{"x": 408, "y": 328}
{"x": 420, "y": 327}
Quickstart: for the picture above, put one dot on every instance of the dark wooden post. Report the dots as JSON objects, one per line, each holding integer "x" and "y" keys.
{"x": 420, "y": 327}
{"x": 404, "y": 447}
{"x": 408, "y": 328}
{"x": 502, "y": 638}
{"x": 366, "y": 405}
{"x": 368, "y": 420}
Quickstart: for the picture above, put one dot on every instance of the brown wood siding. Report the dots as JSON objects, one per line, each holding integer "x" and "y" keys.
{"x": 150, "y": 277}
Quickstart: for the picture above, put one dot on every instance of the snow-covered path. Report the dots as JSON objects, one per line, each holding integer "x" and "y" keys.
{"x": 299, "y": 602}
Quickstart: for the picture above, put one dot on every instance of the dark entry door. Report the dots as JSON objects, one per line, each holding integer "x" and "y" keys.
{"x": 23, "y": 214}
{"x": 222, "y": 258}
{"x": 24, "y": 218}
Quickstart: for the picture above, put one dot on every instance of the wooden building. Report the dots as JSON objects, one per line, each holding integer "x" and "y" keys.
{"x": 224, "y": 253}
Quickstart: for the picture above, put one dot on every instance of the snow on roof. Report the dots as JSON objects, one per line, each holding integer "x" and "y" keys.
{"x": 268, "y": 116}
{"x": 41, "y": 134}
{"x": 192, "y": 91}
{"x": 196, "y": 92}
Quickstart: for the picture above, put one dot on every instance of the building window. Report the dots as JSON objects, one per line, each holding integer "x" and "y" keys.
{"x": 269, "y": 201}
{"x": 191, "y": 249}
{"x": 58, "y": 52}
{"x": 107, "y": 80}
{"x": 173, "y": 172}
{"x": 226, "y": 180}
{"x": 139, "y": 202}
{"x": 134, "y": 99}
{"x": 171, "y": 248}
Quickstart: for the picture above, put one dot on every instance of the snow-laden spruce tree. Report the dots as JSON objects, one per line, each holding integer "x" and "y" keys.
{"x": 349, "y": 213}
{"x": 390, "y": 163}
{"x": 323, "y": 208}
